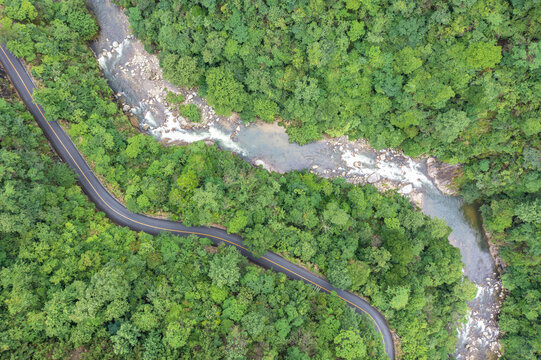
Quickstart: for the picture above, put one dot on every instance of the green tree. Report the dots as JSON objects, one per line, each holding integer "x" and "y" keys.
{"x": 181, "y": 71}
{"x": 177, "y": 333}
{"x": 483, "y": 55}
{"x": 224, "y": 268}
{"x": 399, "y": 297}
{"x": 125, "y": 339}
{"x": 224, "y": 92}
{"x": 350, "y": 345}
{"x": 20, "y": 10}
{"x": 192, "y": 112}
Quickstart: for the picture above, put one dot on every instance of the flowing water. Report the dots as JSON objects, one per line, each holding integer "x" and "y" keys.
{"x": 135, "y": 77}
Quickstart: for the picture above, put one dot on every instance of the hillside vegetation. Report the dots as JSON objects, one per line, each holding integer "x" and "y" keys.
{"x": 459, "y": 80}
{"x": 74, "y": 284}
{"x": 376, "y": 244}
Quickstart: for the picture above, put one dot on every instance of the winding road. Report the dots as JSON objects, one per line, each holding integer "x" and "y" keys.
{"x": 120, "y": 215}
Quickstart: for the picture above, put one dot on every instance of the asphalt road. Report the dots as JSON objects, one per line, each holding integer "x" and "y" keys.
{"x": 138, "y": 222}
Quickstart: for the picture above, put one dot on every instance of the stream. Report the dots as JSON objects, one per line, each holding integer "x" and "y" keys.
{"x": 135, "y": 77}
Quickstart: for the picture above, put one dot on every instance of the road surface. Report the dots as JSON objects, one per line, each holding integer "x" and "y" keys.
{"x": 138, "y": 222}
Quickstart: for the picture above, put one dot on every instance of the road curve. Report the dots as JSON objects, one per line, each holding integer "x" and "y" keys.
{"x": 120, "y": 215}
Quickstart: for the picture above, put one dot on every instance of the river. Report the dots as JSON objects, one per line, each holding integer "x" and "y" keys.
{"x": 135, "y": 77}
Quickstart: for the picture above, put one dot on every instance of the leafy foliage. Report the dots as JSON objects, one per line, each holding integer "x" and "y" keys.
{"x": 192, "y": 112}
{"x": 457, "y": 80}
{"x": 352, "y": 67}
{"x": 377, "y": 244}
{"x": 73, "y": 284}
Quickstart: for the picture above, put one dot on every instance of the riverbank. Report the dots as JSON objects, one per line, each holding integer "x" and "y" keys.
{"x": 136, "y": 78}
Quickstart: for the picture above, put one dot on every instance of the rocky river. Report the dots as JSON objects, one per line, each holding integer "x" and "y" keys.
{"x": 136, "y": 78}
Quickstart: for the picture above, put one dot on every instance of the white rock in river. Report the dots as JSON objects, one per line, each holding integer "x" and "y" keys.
{"x": 115, "y": 44}
{"x": 374, "y": 178}
{"x": 406, "y": 189}
{"x": 259, "y": 162}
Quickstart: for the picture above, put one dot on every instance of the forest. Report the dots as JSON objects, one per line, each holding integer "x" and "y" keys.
{"x": 375, "y": 244}
{"x": 74, "y": 285}
{"x": 465, "y": 88}
{"x": 459, "y": 80}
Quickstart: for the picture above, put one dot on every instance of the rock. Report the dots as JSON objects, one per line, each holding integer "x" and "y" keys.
{"x": 443, "y": 174}
{"x": 416, "y": 199}
{"x": 374, "y": 178}
{"x": 406, "y": 189}
{"x": 126, "y": 108}
{"x": 259, "y": 162}
{"x": 115, "y": 44}
{"x": 134, "y": 121}
{"x": 315, "y": 166}
{"x": 146, "y": 127}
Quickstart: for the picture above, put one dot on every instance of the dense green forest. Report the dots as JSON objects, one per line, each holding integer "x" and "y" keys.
{"x": 459, "y": 80}
{"x": 364, "y": 241}
{"x": 75, "y": 286}
{"x": 453, "y": 78}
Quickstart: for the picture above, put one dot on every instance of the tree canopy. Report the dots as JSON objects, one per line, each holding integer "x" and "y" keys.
{"x": 74, "y": 285}
{"x": 457, "y": 80}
